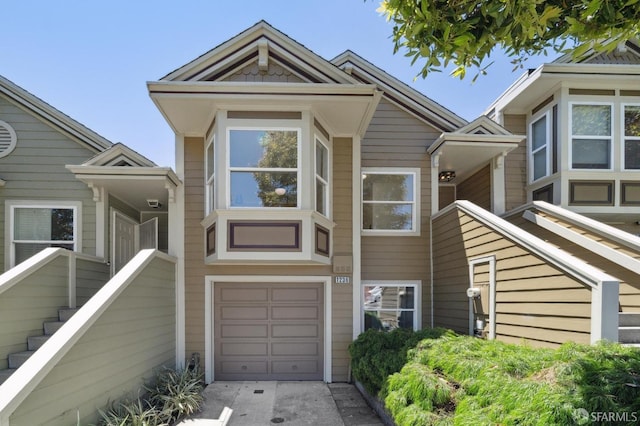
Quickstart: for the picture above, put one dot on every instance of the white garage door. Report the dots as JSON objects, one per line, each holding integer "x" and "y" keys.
{"x": 268, "y": 331}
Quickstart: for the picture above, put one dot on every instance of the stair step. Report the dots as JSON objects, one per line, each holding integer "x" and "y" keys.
{"x": 629, "y": 319}
{"x": 629, "y": 334}
{"x": 4, "y": 374}
{"x": 34, "y": 342}
{"x": 65, "y": 313}
{"x": 51, "y": 327}
{"x": 18, "y": 358}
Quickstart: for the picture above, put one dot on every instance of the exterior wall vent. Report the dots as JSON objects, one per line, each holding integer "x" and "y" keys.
{"x": 8, "y": 139}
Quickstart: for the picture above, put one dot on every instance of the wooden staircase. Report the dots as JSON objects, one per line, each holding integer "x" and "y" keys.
{"x": 35, "y": 342}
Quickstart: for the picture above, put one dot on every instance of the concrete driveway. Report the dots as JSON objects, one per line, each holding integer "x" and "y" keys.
{"x": 286, "y": 403}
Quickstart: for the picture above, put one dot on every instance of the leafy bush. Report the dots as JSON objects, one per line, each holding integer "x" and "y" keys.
{"x": 172, "y": 396}
{"x": 464, "y": 380}
{"x": 375, "y": 354}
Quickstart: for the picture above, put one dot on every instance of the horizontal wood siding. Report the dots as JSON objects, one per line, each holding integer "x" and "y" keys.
{"x": 476, "y": 188}
{"x": 25, "y": 306}
{"x": 516, "y": 163}
{"x": 35, "y": 170}
{"x": 90, "y": 277}
{"x": 629, "y": 281}
{"x": 396, "y": 138}
{"x": 535, "y": 301}
{"x": 122, "y": 349}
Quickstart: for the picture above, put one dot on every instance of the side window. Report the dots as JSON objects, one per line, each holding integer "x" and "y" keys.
{"x": 389, "y": 201}
{"x": 210, "y": 176}
{"x": 632, "y": 137}
{"x": 36, "y": 227}
{"x": 539, "y": 151}
{"x": 390, "y": 305}
{"x": 322, "y": 178}
{"x": 591, "y": 134}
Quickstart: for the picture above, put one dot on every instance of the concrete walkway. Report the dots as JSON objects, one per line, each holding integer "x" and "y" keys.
{"x": 287, "y": 403}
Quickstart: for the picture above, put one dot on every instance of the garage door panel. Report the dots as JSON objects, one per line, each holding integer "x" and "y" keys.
{"x": 295, "y": 348}
{"x": 242, "y": 348}
{"x": 310, "y": 312}
{"x": 295, "y": 367}
{"x": 244, "y": 295}
{"x": 242, "y": 331}
{"x": 268, "y": 331}
{"x": 295, "y": 330}
{"x": 295, "y": 294}
{"x": 243, "y": 367}
{"x": 231, "y": 312}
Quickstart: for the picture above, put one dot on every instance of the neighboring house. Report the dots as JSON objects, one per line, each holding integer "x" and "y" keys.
{"x": 315, "y": 199}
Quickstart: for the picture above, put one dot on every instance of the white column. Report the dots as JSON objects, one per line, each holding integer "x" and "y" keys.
{"x": 176, "y": 249}
{"x": 604, "y": 311}
{"x": 356, "y": 241}
{"x": 498, "y": 192}
{"x": 435, "y": 185}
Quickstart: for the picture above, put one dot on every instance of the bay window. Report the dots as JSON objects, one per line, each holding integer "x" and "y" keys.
{"x": 388, "y": 305}
{"x": 591, "y": 135}
{"x": 263, "y": 167}
{"x": 631, "y": 137}
{"x": 539, "y": 151}
{"x": 210, "y": 175}
{"x": 322, "y": 178}
{"x": 389, "y": 200}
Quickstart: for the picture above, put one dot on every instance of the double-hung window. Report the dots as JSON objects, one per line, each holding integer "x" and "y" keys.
{"x": 35, "y": 227}
{"x": 631, "y": 137}
{"x": 539, "y": 147}
{"x": 388, "y": 305}
{"x": 322, "y": 178}
{"x": 389, "y": 200}
{"x": 263, "y": 167}
{"x": 210, "y": 176}
{"x": 591, "y": 136}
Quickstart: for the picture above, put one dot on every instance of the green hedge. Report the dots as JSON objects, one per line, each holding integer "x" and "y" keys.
{"x": 447, "y": 379}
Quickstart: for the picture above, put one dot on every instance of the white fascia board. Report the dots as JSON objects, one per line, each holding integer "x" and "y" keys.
{"x": 231, "y": 87}
{"x": 509, "y": 143}
{"x": 115, "y": 172}
{"x": 513, "y": 91}
{"x": 563, "y": 260}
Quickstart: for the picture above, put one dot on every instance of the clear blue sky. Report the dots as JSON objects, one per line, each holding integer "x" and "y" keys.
{"x": 91, "y": 59}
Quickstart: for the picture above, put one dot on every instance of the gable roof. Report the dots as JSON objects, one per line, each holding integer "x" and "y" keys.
{"x": 52, "y": 116}
{"x": 399, "y": 93}
{"x": 260, "y": 43}
{"x": 119, "y": 155}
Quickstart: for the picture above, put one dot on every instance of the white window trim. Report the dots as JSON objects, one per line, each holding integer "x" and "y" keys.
{"x": 230, "y": 169}
{"x": 548, "y": 128}
{"x": 611, "y": 136}
{"x": 13, "y": 139}
{"x": 326, "y": 182}
{"x": 417, "y": 292}
{"x": 11, "y": 205}
{"x": 210, "y": 181}
{"x": 415, "y": 210}
{"x": 624, "y": 137}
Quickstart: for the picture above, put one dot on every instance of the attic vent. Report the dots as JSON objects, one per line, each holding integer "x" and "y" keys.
{"x": 8, "y": 139}
{"x": 123, "y": 163}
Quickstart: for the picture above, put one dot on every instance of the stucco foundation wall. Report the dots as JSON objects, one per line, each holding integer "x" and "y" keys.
{"x": 535, "y": 301}
{"x": 132, "y": 338}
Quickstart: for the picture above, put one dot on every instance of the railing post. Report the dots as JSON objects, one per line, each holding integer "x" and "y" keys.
{"x": 72, "y": 280}
{"x": 604, "y": 311}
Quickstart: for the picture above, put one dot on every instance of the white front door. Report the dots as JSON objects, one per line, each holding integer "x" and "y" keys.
{"x": 124, "y": 241}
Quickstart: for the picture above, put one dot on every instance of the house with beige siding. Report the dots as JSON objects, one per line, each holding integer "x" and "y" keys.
{"x": 314, "y": 199}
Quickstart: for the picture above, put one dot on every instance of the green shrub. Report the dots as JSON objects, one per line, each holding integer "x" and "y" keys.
{"x": 375, "y": 354}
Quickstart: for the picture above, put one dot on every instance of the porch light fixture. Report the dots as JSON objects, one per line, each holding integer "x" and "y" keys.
{"x": 280, "y": 191}
{"x": 154, "y": 204}
{"x": 446, "y": 176}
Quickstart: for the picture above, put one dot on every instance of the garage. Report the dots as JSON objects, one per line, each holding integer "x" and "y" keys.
{"x": 268, "y": 331}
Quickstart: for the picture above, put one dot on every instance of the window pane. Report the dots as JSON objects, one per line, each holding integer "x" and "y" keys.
{"x": 210, "y": 165}
{"x": 540, "y": 164}
{"x": 387, "y": 216}
{"x": 591, "y": 153}
{"x": 264, "y": 189}
{"x": 632, "y": 120}
{"x": 26, "y": 250}
{"x": 391, "y": 187}
{"x": 322, "y": 161}
{"x": 591, "y": 120}
{"x": 321, "y": 196}
{"x": 539, "y": 134}
{"x": 260, "y": 148}
{"x": 632, "y": 154}
{"x": 388, "y": 320}
{"x": 43, "y": 224}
